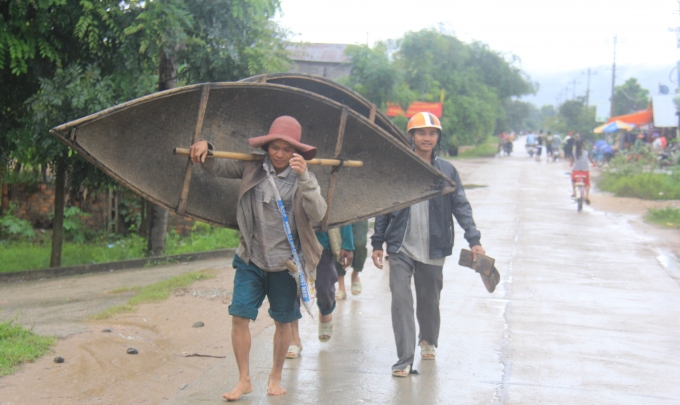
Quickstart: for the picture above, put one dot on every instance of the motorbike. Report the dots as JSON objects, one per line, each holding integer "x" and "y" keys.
{"x": 668, "y": 156}
{"x": 556, "y": 154}
{"x": 507, "y": 148}
{"x": 531, "y": 149}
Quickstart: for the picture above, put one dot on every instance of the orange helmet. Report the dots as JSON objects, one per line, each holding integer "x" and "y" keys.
{"x": 423, "y": 120}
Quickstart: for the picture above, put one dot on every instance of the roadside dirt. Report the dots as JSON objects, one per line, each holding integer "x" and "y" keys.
{"x": 97, "y": 368}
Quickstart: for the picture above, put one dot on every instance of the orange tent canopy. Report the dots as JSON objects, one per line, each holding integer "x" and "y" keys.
{"x": 394, "y": 110}
{"x": 639, "y": 118}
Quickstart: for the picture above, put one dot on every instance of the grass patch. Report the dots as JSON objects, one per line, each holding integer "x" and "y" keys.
{"x": 636, "y": 175}
{"x": 648, "y": 186}
{"x": 488, "y": 149}
{"x": 19, "y": 345}
{"x": 22, "y": 255}
{"x": 153, "y": 292}
{"x": 669, "y": 216}
{"x": 118, "y": 309}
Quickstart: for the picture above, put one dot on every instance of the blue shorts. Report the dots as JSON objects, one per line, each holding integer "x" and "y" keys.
{"x": 252, "y": 284}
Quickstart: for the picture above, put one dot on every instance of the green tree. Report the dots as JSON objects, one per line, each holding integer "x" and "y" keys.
{"x": 375, "y": 77}
{"x": 629, "y": 98}
{"x": 47, "y": 35}
{"x": 70, "y": 94}
{"x": 131, "y": 48}
{"x": 204, "y": 40}
{"x": 572, "y": 116}
{"x": 518, "y": 115}
{"x": 476, "y": 81}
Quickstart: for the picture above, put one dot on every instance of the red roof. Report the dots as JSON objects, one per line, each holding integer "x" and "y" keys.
{"x": 394, "y": 110}
{"x": 639, "y": 118}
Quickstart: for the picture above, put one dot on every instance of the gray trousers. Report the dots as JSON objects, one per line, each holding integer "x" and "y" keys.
{"x": 429, "y": 281}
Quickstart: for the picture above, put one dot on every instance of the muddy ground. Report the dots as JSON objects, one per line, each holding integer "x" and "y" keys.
{"x": 97, "y": 368}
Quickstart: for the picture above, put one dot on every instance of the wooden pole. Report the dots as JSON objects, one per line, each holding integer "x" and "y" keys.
{"x": 252, "y": 156}
{"x": 338, "y": 151}
{"x": 182, "y": 204}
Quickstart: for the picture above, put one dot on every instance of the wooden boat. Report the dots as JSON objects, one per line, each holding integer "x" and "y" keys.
{"x": 336, "y": 92}
{"x": 133, "y": 142}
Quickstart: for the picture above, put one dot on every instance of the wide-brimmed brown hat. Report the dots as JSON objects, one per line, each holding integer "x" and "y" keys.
{"x": 287, "y": 129}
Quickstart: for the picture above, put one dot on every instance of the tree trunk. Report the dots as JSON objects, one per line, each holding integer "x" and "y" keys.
{"x": 158, "y": 224}
{"x": 158, "y": 216}
{"x": 58, "y": 221}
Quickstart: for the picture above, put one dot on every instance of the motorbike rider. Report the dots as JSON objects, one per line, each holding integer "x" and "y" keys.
{"x": 530, "y": 143}
{"x": 540, "y": 140}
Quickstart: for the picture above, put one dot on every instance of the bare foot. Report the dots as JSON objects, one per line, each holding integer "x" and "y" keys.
{"x": 275, "y": 387}
{"x": 243, "y": 387}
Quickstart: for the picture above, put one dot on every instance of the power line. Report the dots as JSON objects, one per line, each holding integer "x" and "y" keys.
{"x": 611, "y": 100}
{"x": 573, "y": 89}
{"x": 588, "y": 73}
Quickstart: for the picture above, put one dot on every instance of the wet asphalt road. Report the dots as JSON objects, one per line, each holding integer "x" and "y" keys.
{"x": 584, "y": 314}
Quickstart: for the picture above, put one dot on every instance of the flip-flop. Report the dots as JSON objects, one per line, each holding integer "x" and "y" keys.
{"x": 325, "y": 331}
{"x": 293, "y": 352}
{"x": 356, "y": 288}
{"x": 340, "y": 295}
{"x": 402, "y": 373}
{"x": 428, "y": 352}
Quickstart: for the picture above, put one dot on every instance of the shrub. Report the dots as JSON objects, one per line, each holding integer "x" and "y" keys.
{"x": 13, "y": 228}
{"x": 669, "y": 216}
{"x": 634, "y": 175}
{"x": 74, "y": 228}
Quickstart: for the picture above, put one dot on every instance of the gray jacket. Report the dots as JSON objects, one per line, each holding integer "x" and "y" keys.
{"x": 308, "y": 204}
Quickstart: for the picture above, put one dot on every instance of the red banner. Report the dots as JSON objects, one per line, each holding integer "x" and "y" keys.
{"x": 436, "y": 109}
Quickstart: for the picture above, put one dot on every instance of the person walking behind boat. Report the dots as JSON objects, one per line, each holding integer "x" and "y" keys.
{"x": 419, "y": 238}
{"x": 326, "y": 277}
{"x": 360, "y": 236}
{"x": 264, "y": 248}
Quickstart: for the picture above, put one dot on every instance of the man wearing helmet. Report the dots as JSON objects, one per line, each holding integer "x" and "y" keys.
{"x": 419, "y": 238}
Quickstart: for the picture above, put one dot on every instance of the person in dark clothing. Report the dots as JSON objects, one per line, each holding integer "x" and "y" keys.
{"x": 419, "y": 238}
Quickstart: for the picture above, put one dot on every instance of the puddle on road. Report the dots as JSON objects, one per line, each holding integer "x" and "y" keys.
{"x": 671, "y": 264}
{"x": 471, "y": 186}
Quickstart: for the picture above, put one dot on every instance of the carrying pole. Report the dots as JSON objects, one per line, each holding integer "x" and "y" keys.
{"x": 252, "y": 156}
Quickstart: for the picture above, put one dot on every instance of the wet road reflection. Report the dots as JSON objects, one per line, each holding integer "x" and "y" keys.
{"x": 584, "y": 314}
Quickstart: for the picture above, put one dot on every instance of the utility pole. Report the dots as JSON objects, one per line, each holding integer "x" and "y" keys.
{"x": 588, "y": 73}
{"x": 611, "y": 100}
{"x": 573, "y": 89}
{"x": 566, "y": 93}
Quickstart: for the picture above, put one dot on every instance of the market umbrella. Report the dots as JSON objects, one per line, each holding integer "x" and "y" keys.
{"x": 613, "y": 127}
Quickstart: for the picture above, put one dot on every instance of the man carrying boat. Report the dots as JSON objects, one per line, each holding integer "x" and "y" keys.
{"x": 419, "y": 238}
{"x": 260, "y": 258}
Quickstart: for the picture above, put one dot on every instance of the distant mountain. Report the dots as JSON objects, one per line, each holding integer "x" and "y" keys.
{"x": 554, "y": 86}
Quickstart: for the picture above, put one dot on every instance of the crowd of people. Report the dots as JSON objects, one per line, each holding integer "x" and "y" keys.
{"x": 581, "y": 155}
{"x": 279, "y": 203}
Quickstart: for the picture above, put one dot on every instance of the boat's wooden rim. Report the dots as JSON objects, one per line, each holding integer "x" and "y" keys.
{"x": 263, "y": 78}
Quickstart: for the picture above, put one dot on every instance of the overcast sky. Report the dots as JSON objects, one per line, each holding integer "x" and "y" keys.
{"x": 550, "y": 37}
